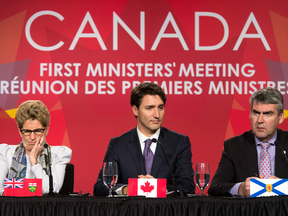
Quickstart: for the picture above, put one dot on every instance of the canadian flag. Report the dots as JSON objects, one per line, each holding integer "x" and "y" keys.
{"x": 147, "y": 187}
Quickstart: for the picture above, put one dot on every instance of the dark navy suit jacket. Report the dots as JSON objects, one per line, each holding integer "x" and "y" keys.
{"x": 239, "y": 161}
{"x": 126, "y": 151}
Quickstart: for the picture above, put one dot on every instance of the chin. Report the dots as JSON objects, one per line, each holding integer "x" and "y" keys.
{"x": 156, "y": 128}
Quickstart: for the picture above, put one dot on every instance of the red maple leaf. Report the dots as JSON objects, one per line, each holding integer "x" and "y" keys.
{"x": 147, "y": 188}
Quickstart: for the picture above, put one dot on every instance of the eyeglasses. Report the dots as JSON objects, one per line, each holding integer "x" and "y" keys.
{"x": 37, "y": 131}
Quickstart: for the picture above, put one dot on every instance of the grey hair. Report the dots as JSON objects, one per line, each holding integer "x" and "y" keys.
{"x": 268, "y": 96}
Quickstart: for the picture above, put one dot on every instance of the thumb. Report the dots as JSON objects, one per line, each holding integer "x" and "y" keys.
{"x": 261, "y": 176}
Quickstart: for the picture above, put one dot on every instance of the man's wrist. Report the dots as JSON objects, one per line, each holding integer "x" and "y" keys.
{"x": 125, "y": 190}
{"x": 241, "y": 190}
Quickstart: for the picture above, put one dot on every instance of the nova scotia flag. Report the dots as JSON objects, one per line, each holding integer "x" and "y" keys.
{"x": 268, "y": 187}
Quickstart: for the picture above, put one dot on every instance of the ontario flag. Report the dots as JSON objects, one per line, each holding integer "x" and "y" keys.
{"x": 22, "y": 187}
{"x": 147, "y": 187}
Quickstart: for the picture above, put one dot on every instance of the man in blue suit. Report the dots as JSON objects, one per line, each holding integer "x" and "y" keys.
{"x": 148, "y": 105}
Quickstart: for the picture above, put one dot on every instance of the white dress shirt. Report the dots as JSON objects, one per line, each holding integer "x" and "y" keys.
{"x": 142, "y": 139}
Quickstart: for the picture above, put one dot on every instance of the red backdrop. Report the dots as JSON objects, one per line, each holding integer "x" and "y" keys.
{"x": 82, "y": 58}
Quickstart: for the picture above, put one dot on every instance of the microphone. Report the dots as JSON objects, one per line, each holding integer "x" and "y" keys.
{"x": 283, "y": 151}
{"x": 51, "y": 190}
{"x": 176, "y": 192}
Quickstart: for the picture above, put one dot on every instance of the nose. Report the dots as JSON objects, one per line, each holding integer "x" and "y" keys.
{"x": 156, "y": 113}
{"x": 32, "y": 136}
{"x": 260, "y": 118}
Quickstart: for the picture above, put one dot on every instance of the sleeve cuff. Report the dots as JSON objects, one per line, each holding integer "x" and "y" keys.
{"x": 234, "y": 190}
{"x": 119, "y": 190}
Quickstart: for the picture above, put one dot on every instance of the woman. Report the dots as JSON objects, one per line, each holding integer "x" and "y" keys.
{"x": 27, "y": 159}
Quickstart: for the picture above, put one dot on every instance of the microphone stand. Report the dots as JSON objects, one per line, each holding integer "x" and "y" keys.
{"x": 51, "y": 190}
{"x": 175, "y": 192}
{"x": 283, "y": 151}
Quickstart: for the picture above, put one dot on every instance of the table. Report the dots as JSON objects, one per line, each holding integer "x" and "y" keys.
{"x": 138, "y": 206}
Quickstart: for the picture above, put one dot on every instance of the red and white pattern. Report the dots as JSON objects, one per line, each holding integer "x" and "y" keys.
{"x": 147, "y": 187}
{"x": 20, "y": 187}
{"x": 13, "y": 183}
{"x": 265, "y": 168}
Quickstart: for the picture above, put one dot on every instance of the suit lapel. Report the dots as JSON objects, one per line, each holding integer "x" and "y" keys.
{"x": 250, "y": 154}
{"x": 159, "y": 157}
{"x": 280, "y": 161}
{"x": 135, "y": 152}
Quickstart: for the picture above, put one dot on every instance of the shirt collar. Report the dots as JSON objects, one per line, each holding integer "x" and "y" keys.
{"x": 142, "y": 137}
{"x": 271, "y": 141}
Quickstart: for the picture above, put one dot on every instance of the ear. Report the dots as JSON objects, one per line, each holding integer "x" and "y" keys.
{"x": 135, "y": 110}
{"x": 250, "y": 115}
{"x": 281, "y": 118}
{"x": 47, "y": 130}
{"x": 20, "y": 133}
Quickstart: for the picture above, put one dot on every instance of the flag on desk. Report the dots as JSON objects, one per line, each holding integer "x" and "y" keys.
{"x": 147, "y": 187}
{"x": 22, "y": 187}
{"x": 13, "y": 183}
{"x": 268, "y": 187}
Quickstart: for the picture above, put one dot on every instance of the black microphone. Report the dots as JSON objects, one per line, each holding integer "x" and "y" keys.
{"x": 51, "y": 190}
{"x": 283, "y": 151}
{"x": 176, "y": 192}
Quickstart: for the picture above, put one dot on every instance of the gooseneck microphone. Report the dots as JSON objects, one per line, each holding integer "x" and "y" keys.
{"x": 51, "y": 193}
{"x": 176, "y": 192}
{"x": 283, "y": 151}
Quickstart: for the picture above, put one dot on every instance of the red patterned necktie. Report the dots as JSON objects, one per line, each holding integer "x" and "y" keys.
{"x": 265, "y": 168}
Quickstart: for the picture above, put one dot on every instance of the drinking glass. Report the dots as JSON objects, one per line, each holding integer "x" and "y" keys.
{"x": 202, "y": 176}
{"x": 110, "y": 175}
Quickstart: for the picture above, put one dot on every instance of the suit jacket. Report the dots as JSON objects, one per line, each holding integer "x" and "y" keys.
{"x": 126, "y": 151}
{"x": 239, "y": 161}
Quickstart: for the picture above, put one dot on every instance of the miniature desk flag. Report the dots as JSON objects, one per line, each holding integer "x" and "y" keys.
{"x": 268, "y": 187}
{"x": 147, "y": 187}
{"x": 22, "y": 187}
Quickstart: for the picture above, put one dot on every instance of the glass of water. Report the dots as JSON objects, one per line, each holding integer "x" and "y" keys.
{"x": 202, "y": 176}
{"x": 110, "y": 175}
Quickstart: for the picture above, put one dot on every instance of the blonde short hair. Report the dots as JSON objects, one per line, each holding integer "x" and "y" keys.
{"x": 32, "y": 109}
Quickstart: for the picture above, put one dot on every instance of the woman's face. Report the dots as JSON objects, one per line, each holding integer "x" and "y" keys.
{"x": 30, "y": 140}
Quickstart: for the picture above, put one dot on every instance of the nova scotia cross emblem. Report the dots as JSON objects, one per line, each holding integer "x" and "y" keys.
{"x": 32, "y": 187}
{"x": 269, "y": 187}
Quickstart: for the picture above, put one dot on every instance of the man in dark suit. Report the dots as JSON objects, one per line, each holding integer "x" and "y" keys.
{"x": 245, "y": 156}
{"x": 148, "y": 105}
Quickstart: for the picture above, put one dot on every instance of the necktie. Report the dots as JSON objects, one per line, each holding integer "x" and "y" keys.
{"x": 148, "y": 156}
{"x": 265, "y": 168}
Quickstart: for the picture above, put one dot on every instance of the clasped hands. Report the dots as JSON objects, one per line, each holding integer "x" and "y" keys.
{"x": 244, "y": 188}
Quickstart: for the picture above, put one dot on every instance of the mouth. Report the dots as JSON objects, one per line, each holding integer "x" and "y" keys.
{"x": 260, "y": 128}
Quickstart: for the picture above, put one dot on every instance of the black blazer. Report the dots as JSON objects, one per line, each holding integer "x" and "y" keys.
{"x": 239, "y": 161}
{"x": 126, "y": 151}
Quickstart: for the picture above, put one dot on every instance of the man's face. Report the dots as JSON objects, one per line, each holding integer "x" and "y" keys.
{"x": 150, "y": 114}
{"x": 264, "y": 120}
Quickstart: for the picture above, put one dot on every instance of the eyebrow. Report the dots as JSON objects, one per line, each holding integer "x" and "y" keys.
{"x": 34, "y": 129}
{"x": 155, "y": 105}
{"x": 267, "y": 112}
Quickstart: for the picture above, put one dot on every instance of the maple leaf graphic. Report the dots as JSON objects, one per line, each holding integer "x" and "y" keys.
{"x": 147, "y": 188}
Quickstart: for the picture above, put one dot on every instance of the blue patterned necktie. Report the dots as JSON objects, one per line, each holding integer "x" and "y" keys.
{"x": 148, "y": 156}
